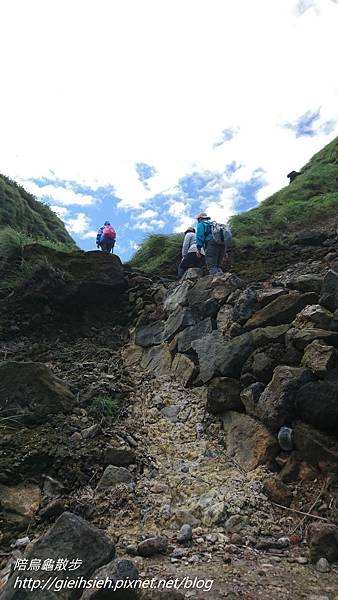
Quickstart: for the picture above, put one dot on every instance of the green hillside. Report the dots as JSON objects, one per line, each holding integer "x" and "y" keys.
{"x": 22, "y": 212}
{"x": 309, "y": 202}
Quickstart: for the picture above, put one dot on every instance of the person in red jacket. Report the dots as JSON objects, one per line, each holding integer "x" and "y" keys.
{"x": 106, "y": 237}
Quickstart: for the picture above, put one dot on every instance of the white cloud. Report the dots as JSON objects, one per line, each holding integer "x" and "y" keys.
{"x": 150, "y": 226}
{"x": 161, "y": 91}
{"x": 80, "y": 224}
{"x": 59, "y": 194}
{"x": 147, "y": 214}
{"x": 60, "y": 211}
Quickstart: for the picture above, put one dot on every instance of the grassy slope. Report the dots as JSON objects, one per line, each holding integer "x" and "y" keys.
{"x": 311, "y": 200}
{"x": 21, "y": 211}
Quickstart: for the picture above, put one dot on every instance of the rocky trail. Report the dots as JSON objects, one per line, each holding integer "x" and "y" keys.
{"x": 157, "y": 435}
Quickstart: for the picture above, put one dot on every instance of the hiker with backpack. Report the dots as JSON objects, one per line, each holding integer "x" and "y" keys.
{"x": 189, "y": 258}
{"x": 106, "y": 237}
{"x": 214, "y": 238}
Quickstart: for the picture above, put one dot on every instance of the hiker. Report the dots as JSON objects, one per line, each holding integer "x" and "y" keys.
{"x": 213, "y": 238}
{"x": 189, "y": 257}
{"x": 106, "y": 237}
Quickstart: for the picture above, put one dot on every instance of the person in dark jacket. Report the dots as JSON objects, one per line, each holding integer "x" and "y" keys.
{"x": 214, "y": 253}
{"x": 106, "y": 237}
{"x": 189, "y": 257}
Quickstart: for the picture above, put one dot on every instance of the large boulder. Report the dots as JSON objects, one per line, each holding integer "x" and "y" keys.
{"x": 300, "y": 338}
{"x": 276, "y": 405}
{"x": 250, "y": 396}
{"x": 200, "y": 292}
{"x": 194, "y": 332}
{"x": 319, "y": 357}
{"x": 178, "y": 320}
{"x": 233, "y": 355}
{"x": 329, "y": 291}
{"x": 224, "y": 284}
{"x": 281, "y": 310}
{"x": 317, "y": 404}
{"x": 118, "y": 573}
{"x": 247, "y": 441}
{"x": 150, "y": 335}
{"x": 225, "y": 318}
{"x": 245, "y": 305}
{"x": 158, "y": 359}
{"x": 30, "y": 393}
{"x": 316, "y": 448}
{"x": 313, "y": 316}
{"x": 223, "y": 395}
{"x": 309, "y": 282}
{"x": 112, "y": 476}
{"x": 178, "y": 296}
{"x": 267, "y": 295}
{"x": 323, "y": 541}
{"x": 71, "y": 538}
{"x": 183, "y": 369}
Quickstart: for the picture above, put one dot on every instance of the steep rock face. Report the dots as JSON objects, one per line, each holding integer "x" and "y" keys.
{"x": 76, "y": 278}
{"x": 30, "y": 393}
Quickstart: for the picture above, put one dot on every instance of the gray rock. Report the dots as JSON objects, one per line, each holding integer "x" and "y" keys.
{"x": 183, "y": 369}
{"x": 316, "y": 448}
{"x": 31, "y": 393}
{"x": 305, "y": 283}
{"x": 276, "y": 406}
{"x": 300, "y": 338}
{"x": 250, "y": 396}
{"x": 178, "y": 296}
{"x": 91, "y": 432}
{"x": 150, "y": 335}
{"x": 329, "y": 291}
{"x": 70, "y": 537}
{"x": 157, "y": 359}
{"x": 115, "y": 571}
{"x": 247, "y": 441}
{"x": 152, "y": 546}
{"x": 223, "y": 395}
{"x": 194, "y": 332}
{"x": 323, "y": 566}
{"x": 319, "y": 357}
{"x": 208, "y": 350}
{"x": 171, "y": 412}
{"x": 206, "y": 309}
{"x": 323, "y": 541}
{"x": 120, "y": 457}
{"x": 234, "y": 524}
{"x": 224, "y": 284}
{"x": 184, "y": 534}
{"x": 266, "y": 296}
{"x": 245, "y": 305}
{"x": 317, "y": 404}
{"x": 113, "y": 476}
{"x": 178, "y": 320}
{"x": 282, "y": 310}
{"x": 233, "y": 355}
{"x": 225, "y": 318}
{"x": 201, "y": 291}
{"x": 313, "y": 316}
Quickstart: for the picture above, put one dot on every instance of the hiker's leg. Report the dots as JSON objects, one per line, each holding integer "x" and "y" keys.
{"x": 181, "y": 269}
{"x": 220, "y": 258}
{"x": 112, "y": 248}
{"x": 211, "y": 257}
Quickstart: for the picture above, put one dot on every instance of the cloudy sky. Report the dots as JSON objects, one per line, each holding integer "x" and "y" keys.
{"x": 145, "y": 112}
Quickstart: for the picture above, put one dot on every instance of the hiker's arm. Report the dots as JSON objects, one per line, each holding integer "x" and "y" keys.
{"x": 199, "y": 236}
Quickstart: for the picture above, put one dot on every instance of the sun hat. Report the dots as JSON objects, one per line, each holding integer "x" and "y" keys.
{"x": 202, "y": 215}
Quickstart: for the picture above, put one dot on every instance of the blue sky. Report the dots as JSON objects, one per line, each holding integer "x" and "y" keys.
{"x": 145, "y": 112}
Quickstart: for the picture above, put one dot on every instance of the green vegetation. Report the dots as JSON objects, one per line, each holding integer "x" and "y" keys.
{"x": 21, "y": 211}
{"x": 15, "y": 270}
{"x": 310, "y": 201}
{"x": 105, "y": 406}
{"x": 156, "y": 251}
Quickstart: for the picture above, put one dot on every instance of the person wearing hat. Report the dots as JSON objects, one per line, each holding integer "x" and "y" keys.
{"x": 106, "y": 237}
{"x": 189, "y": 253}
{"x": 214, "y": 253}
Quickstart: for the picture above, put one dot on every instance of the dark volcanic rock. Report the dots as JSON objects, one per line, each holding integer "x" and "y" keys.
{"x": 245, "y": 305}
{"x": 300, "y": 338}
{"x": 250, "y": 397}
{"x": 70, "y": 537}
{"x": 178, "y": 320}
{"x": 116, "y": 570}
{"x": 194, "y": 332}
{"x": 319, "y": 358}
{"x": 317, "y": 404}
{"x": 275, "y": 406}
{"x": 323, "y": 541}
{"x": 282, "y": 310}
{"x": 316, "y": 448}
{"x": 120, "y": 457}
{"x": 329, "y": 291}
{"x": 150, "y": 335}
{"x": 30, "y": 393}
{"x": 152, "y": 546}
{"x": 223, "y": 395}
